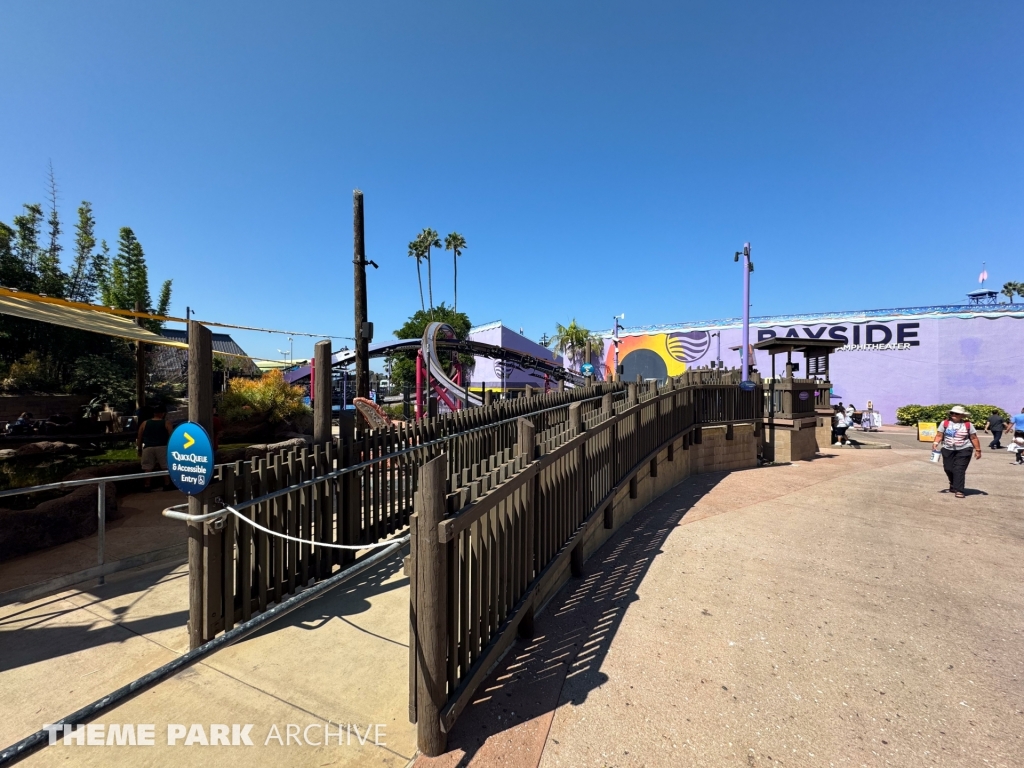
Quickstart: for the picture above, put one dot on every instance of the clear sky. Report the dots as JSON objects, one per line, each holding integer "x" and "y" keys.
{"x": 598, "y": 157}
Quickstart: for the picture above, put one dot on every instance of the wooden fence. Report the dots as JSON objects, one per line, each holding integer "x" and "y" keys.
{"x": 349, "y": 491}
{"x": 481, "y": 552}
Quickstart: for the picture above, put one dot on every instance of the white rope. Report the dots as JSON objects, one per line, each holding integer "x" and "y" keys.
{"x": 313, "y": 544}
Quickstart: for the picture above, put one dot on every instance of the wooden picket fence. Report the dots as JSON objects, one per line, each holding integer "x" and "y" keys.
{"x": 480, "y": 552}
{"x": 245, "y": 570}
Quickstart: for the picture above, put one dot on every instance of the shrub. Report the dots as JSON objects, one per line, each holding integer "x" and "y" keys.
{"x": 26, "y": 373}
{"x": 977, "y": 414}
{"x": 269, "y": 397}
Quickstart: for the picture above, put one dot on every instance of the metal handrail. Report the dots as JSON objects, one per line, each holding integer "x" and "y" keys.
{"x": 75, "y": 483}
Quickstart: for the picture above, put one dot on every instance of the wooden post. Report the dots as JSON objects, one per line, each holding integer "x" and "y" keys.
{"x": 575, "y": 418}
{"x": 631, "y": 393}
{"x": 529, "y": 390}
{"x": 140, "y": 365}
{"x": 606, "y": 403}
{"x": 200, "y": 411}
{"x": 488, "y": 398}
{"x": 362, "y": 341}
{"x": 526, "y": 446}
{"x": 432, "y": 609}
{"x": 322, "y": 393}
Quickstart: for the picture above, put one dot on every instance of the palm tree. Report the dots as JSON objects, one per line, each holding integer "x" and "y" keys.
{"x": 416, "y": 253}
{"x": 1012, "y": 289}
{"x": 426, "y": 240}
{"x": 571, "y": 341}
{"x": 455, "y": 243}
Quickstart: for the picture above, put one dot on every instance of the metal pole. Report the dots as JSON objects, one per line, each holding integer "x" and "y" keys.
{"x": 745, "y": 350}
{"x": 101, "y": 513}
{"x": 615, "y": 343}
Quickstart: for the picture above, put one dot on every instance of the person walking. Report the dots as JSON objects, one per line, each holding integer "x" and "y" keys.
{"x": 842, "y": 422}
{"x": 151, "y": 443}
{"x": 956, "y": 435}
{"x": 1018, "y": 423}
{"x": 996, "y": 425}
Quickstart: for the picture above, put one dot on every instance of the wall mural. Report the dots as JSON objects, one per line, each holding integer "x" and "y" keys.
{"x": 659, "y": 355}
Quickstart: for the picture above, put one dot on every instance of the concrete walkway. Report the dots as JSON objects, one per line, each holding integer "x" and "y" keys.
{"x": 839, "y": 612}
{"x": 340, "y": 660}
{"x": 833, "y": 612}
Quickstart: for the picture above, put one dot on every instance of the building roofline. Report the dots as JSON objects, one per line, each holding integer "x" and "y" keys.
{"x": 878, "y": 315}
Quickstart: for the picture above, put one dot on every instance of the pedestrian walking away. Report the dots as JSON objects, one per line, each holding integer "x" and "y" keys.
{"x": 151, "y": 443}
{"x": 996, "y": 425}
{"x": 842, "y": 423}
{"x": 1017, "y": 446}
{"x": 1018, "y": 423}
{"x": 957, "y": 436}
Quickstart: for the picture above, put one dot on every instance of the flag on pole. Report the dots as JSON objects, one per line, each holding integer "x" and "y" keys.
{"x": 983, "y": 276}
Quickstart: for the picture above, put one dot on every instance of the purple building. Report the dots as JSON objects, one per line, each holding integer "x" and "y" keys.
{"x": 893, "y": 357}
{"x": 489, "y": 373}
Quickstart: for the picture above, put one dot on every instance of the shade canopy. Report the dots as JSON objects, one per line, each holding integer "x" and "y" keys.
{"x": 83, "y": 319}
{"x": 781, "y": 344}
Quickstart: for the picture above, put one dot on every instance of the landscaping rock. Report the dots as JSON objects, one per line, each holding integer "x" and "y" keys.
{"x": 53, "y": 448}
{"x": 301, "y": 441}
{"x": 53, "y": 522}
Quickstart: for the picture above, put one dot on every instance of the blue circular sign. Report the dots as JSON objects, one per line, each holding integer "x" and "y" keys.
{"x": 587, "y": 369}
{"x": 190, "y": 458}
{"x": 747, "y": 386}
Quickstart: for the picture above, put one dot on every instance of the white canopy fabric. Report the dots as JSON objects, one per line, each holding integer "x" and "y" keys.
{"x": 82, "y": 319}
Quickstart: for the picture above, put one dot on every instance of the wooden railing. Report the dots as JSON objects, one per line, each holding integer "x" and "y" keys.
{"x": 481, "y": 552}
{"x": 244, "y": 570}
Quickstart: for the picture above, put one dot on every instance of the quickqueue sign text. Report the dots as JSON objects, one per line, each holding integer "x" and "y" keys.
{"x": 190, "y": 458}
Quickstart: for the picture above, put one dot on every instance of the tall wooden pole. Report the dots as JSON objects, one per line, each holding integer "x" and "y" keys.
{"x": 322, "y": 393}
{"x": 361, "y": 319}
{"x": 140, "y": 365}
{"x": 431, "y": 608}
{"x": 200, "y": 411}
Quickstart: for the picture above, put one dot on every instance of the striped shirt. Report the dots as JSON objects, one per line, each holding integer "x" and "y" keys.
{"x": 957, "y": 437}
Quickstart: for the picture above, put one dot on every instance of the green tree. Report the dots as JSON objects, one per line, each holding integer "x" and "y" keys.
{"x": 403, "y": 364}
{"x": 26, "y": 243}
{"x": 416, "y": 253}
{"x": 128, "y": 280}
{"x": 82, "y": 279}
{"x": 52, "y": 280}
{"x": 455, "y": 243}
{"x": 424, "y": 241}
{"x": 13, "y": 273}
{"x": 571, "y": 341}
{"x": 1010, "y": 290}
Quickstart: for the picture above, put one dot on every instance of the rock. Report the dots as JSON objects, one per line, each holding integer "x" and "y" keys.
{"x": 55, "y": 448}
{"x": 53, "y": 522}
{"x": 7, "y": 453}
{"x": 301, "y": 441}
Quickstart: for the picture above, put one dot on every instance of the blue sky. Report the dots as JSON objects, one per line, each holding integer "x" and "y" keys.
{"x": 598, "y": 157}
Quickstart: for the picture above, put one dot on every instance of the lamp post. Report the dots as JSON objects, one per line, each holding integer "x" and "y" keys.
{"x": 748, "y": 267}
{"x": 615, "y": 343}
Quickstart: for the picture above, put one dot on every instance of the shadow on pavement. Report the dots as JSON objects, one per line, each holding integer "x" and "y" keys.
{"x": 572, "y": 637}
{"x": 56, "y": 626}
{"x": 347, "y": 600}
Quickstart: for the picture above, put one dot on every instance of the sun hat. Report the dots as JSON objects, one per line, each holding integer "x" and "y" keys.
{"x": 958, "y": 409}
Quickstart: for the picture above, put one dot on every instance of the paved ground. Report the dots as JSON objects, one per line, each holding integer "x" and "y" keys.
{"x": 342, "y": 659}
{"x": 140, "y": 529}
{"x": 838, "y": 612}
{"x": 834, "y": 612}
